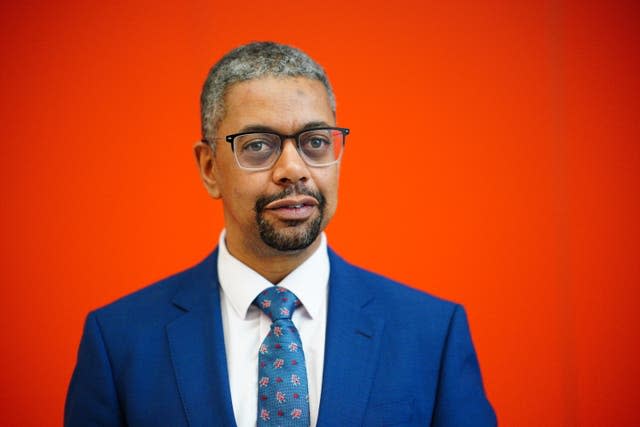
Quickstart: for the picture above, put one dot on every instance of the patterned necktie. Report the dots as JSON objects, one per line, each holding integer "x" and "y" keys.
{"x": 283, "y": 396}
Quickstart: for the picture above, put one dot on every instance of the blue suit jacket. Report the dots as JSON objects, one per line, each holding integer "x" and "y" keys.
{"x": 393, "y": 356}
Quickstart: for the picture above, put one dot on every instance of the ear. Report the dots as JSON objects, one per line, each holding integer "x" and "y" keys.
{"x": 205, "y": 160}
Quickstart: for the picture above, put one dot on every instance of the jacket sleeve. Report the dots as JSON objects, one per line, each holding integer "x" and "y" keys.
{"x": 461, "y": 400}
{"x": 92, "y": 398}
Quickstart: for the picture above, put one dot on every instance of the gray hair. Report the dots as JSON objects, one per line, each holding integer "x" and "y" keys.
{"x": 253, "y": 61}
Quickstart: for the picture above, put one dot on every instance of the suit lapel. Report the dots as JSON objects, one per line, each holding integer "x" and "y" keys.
{"x": 352, "y": 347}
{"x": 351, "y": 350}
{"x": 196, "y": 342}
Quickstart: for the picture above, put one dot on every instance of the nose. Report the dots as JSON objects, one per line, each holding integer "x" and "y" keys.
{"x": 290, "y": 168}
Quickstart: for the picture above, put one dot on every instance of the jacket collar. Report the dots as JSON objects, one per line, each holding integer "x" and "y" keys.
{"x": 196, "y": 343}
{"x": 352, "y": 345}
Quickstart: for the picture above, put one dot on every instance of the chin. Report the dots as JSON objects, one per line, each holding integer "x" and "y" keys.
{"x": 292, "y": 238}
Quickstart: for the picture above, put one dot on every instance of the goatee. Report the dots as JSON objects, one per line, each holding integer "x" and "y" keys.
{"x": 296, "y": 239}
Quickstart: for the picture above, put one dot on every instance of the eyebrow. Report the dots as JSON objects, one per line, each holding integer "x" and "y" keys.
{"x": 262, "y": 128}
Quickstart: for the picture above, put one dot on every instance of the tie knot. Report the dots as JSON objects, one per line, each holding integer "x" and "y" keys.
{"x": 277, "y": 302}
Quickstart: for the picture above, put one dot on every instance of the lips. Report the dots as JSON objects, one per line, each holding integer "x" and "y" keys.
{"x": 292, "y": 203}
{"x": 293, "y": 208}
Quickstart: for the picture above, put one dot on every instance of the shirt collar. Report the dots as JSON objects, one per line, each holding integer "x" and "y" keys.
{"x": 241, "y": 284}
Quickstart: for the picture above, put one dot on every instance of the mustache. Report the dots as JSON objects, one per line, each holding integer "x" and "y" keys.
{"x": 294, "y": 190}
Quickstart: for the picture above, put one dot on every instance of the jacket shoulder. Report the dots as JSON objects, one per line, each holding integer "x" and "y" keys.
{"x": 391, "y": 293}
{"x": 155, "y": 299}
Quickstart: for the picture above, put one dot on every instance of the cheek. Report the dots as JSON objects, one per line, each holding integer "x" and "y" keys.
{"x": 244, "y": 192}
{"x": 242, "y": 198}
{"x": 329, "y": 188}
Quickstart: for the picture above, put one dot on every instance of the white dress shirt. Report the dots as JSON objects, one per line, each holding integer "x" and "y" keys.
{"x": 245, "y": 326}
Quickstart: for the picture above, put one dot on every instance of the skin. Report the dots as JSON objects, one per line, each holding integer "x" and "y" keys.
{"x": 285, "y": 105}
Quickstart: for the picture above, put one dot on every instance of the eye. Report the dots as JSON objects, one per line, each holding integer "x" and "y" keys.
{"x": 316, "y": 141}
{"x": 256, "y": 144}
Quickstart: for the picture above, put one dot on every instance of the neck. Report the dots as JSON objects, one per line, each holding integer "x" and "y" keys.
{"x": 272, "y": 264}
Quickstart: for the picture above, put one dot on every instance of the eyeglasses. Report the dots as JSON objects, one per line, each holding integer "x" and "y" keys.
{"x": 318, "y": 147}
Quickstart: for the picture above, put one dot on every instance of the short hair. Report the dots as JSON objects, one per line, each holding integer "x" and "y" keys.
{"x": 253, "y": 61}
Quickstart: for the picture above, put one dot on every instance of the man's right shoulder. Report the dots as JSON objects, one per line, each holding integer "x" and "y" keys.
{"x": 159, "y": 297}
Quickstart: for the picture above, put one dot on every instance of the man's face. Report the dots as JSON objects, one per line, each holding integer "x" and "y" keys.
{"x": 284, "y": 208}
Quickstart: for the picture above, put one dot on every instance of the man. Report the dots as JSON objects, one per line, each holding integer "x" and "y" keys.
{"x": 329, "y": 345}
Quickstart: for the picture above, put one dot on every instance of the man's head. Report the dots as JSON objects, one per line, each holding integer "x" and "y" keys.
{"x": 249, "y": 62}
{"x": 278, "y": 193}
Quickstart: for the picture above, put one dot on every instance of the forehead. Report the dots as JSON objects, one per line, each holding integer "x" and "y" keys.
{"x": 284, "y": 104}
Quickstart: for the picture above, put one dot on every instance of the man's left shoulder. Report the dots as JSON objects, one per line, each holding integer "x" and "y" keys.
{"x": 388, "y": 294}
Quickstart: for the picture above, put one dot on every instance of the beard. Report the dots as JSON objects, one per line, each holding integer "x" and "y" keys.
{"x": 296, "y": 235}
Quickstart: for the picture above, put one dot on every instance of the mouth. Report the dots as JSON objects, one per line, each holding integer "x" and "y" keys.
{"x": 292, "y": 203}
{"x": 292, "y": 208}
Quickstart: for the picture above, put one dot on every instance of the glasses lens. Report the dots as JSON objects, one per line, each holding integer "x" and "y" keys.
{"x": 321, "y": 146}
{"x": 256, "y": 150}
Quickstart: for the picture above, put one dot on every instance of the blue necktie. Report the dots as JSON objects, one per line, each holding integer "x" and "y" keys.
{"x": 283, "y": 396}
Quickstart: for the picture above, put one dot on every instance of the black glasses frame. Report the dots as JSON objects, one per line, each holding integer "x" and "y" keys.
{"x": 231, "y": 138}
{"x": 296, "y": 137}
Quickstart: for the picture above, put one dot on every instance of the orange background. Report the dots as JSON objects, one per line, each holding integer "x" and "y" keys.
{"x": 493, "y": 160}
